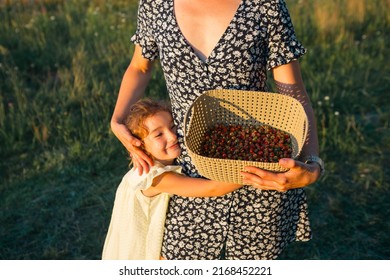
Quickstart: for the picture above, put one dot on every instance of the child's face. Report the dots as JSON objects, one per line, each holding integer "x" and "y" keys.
{"x": 161, "y": 141}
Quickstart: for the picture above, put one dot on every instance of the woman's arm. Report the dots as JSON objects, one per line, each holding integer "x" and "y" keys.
{"x": 288, "y": 81}
{"x": 134, "y": 82}
{"x": 178, "y": 184}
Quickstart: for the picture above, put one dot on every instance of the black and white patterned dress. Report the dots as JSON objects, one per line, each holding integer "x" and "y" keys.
{"x": 248, "y": 223}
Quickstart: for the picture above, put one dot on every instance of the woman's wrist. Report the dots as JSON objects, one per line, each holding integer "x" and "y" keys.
{"x": 315, "y": 170}
{"x": 318, "y": 161}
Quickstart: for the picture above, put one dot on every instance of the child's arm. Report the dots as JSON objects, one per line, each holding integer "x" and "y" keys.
{"x": 174, "y": 183}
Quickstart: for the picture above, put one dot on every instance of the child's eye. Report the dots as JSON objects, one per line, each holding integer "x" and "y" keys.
{"x": 157, "y": 135}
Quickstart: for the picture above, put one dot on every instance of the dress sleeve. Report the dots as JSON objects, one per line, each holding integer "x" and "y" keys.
{"x": 283, "y": 46}
{"x": 143, "y": 34}
{"x": 156, "y": 171}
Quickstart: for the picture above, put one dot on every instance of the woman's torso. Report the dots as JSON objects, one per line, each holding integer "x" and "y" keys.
{"x": 236, "y": 61}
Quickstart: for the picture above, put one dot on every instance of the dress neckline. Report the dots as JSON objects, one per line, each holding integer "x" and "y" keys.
{"x": 221, "y": 38}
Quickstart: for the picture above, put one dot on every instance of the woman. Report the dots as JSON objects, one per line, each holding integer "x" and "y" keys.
{"x": 209, "y": 44}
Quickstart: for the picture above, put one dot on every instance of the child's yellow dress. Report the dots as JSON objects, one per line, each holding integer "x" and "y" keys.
{"x": 137, "y": 222}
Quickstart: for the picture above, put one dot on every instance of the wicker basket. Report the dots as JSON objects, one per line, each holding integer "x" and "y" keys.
{"x": 245, "y": 108}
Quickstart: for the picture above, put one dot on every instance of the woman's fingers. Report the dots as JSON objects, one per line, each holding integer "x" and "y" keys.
{"x": 140, "y": 160}
{"x": 264, "y": 183}
{"x": 297, "y": 176}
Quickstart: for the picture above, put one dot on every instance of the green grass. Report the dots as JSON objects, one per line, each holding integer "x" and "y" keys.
{"x": 61, "y": 63}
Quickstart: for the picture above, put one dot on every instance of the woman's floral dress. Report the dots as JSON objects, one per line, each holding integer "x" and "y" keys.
{"x": 248, "y": 223}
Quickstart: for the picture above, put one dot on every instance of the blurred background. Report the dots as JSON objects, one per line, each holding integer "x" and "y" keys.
{"x": 61, "y": 64}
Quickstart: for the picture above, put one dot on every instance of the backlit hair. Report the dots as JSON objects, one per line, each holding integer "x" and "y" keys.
{"x": 139, "y": 112}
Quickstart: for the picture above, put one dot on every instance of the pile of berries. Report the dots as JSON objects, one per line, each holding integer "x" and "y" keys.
{"x": 261, "y": 143}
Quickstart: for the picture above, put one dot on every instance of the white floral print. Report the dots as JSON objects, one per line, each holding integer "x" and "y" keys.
{"x": 248, "y": 223}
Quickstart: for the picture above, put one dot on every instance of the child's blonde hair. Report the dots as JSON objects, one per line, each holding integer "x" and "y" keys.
{"x": 139, "y": 112}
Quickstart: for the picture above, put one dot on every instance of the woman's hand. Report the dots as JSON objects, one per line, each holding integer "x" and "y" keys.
{"x": 140, "y": 160}
{"x": 299, "y": 175}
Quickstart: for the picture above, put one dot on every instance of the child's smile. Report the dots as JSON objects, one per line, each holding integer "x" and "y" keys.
{"x": 161, "y": 141}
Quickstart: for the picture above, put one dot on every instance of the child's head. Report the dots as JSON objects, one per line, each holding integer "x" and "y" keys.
{"x": 152, "y": 123}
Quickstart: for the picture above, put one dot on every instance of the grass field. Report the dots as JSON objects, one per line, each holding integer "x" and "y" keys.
{"x": 61, "y": 63}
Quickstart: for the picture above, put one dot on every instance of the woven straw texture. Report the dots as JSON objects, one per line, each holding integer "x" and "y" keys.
{"x": 245, "y": 108}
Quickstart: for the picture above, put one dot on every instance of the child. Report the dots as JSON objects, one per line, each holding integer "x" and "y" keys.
{"x": 138, "y": 217}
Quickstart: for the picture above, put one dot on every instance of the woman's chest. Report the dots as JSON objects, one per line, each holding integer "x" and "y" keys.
{"x": 204, "y": 22}
{"x": 210, "y": 35}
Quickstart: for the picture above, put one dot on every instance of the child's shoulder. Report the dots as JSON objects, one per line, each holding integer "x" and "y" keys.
{"x": 132, "y": 176}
